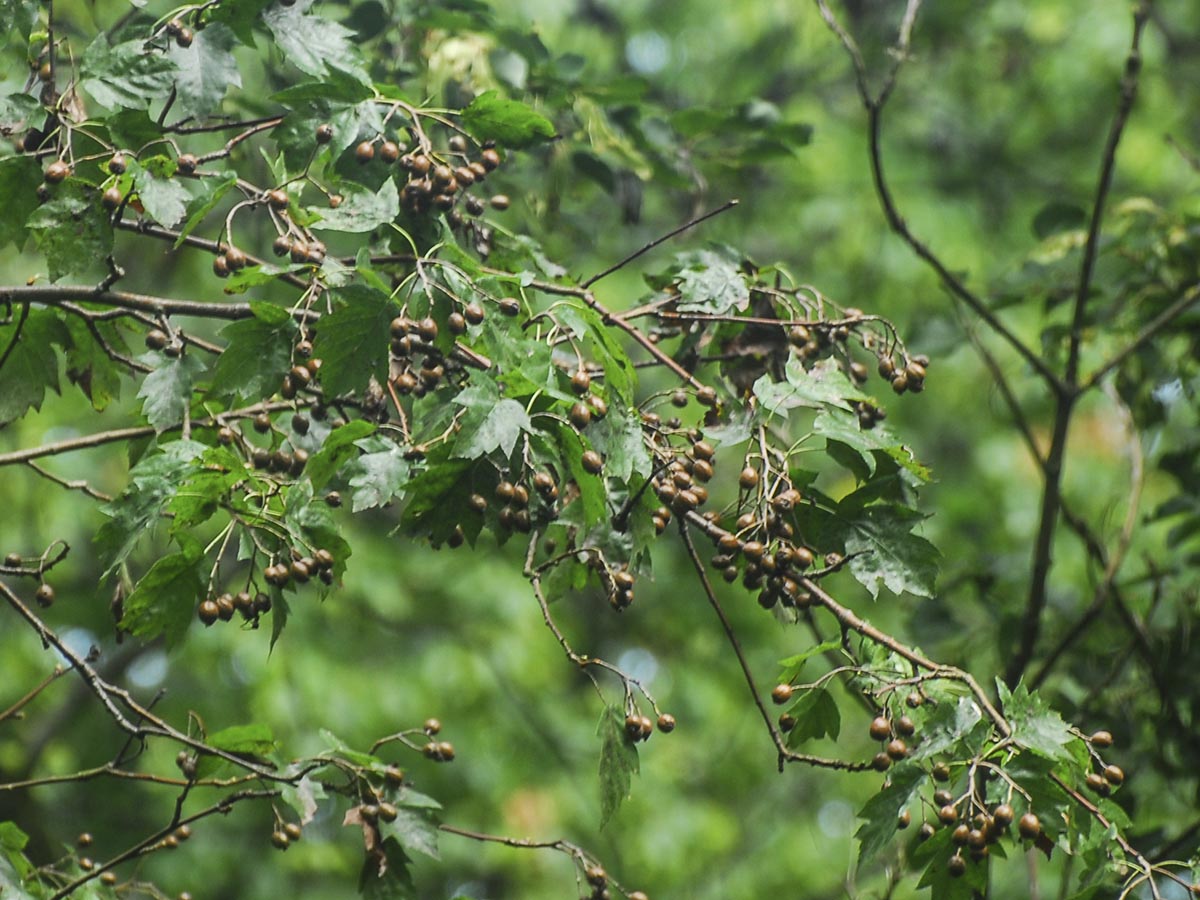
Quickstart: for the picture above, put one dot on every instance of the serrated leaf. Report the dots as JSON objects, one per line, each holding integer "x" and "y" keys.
{"x": 206, "y": 70}
{"x": 167, "y": 391}
{"x": 1035, "y": 726}
{"x": 825, "y": 384}
{"x": 31, "y": 365}
{"x": 89, "y": 366}
{"x": 73, "y": 230}
{"x": 125, "y": 75}
{"x": 257, "y": 356}
{"x": 378, "y": 477}
{"x": 887, "y": 550}
{"x": 361, "y": 209}
{"x": 415, "y": 829}
{"x": 843, "y": 426}
{"x": 164, "y": 599}
{"x": 817, "y": 716}
{"x": 710, "y": 282}
{"x": 337, "y": 449}
{"x": 310, "y": 43}
{"x": 490, "y": 424}
{"x": 509, "y": 122}
{"x": 353, "y": 339}
{"x": 881, "y": 814}
{"x": 164, "y": 199}
{"x": 618, "y": 763}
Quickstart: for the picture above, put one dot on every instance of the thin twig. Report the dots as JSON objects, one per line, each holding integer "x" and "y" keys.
{"x": 646, "y": 248}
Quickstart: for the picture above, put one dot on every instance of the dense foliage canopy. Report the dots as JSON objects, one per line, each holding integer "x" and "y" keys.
{"x": 681, "y": 449}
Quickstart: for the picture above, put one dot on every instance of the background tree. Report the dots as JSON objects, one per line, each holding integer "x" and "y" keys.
{"x": 419, "y": 352}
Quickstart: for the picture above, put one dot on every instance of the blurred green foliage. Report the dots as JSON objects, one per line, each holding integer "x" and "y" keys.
{"x": 674, "y": 107}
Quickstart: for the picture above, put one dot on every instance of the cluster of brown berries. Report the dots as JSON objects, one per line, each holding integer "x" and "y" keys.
{"x": 286, "y": 835}
{"x": 301, "y": 569}
{"x": 225, "y": 606}
{"x": 892, "y": 733}
{"x": 909, "y": 376}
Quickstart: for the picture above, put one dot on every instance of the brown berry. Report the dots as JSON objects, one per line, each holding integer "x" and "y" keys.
{"x": 782, "y": 693}
{"x": 1102, "y": 739}
{"x": 881, "y": 729}
{"x": 44, "y": 595}
{"x": 1114, "y": 775}
{"x": 897, "y": 749}
{"x": 324, "y": 133}
{"x": 1030, "y": 826}
{"x": 365, "y": 152}
{"x": 592, "y": 462}
{"x": 58, "y": 171}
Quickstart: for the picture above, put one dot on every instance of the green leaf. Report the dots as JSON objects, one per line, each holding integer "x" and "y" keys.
{"x": 825, "y": 384}
{"x": 17, "y": 175}
{"x": 817, "y": 716}
{"x": 165, "y": 199}
{"x": 153, "y": 481}
{"x": 378, "y": 477}
{"x": 210, "y": 192}
{"x": 164, "y": 600}
{"x": 126, "y": 75}
{"x": 206, "y": 70}
{"x": 618, "y": 763}
{"x": 888, "y": 551}
{"x": 353, "y": 339}
{"x": 31, "y": 365}
{"x": 881, "y": 814}
{"x": 207, "y": 481}
{"x": 792, "y": 665}
{"x": 256, "y": 358}
{"x": 361, "y": 210}
{"x": 415, "y": 829}
{"x": 73, "y": 230}
{"x": 1035, "y": 726}
{"x": 89, "y": 366}
{"x": 489, "y": 423}
{"x": 843, "y": 426}
{"x": 11, "y": 837}
{"x": 255, "y": 739}
{"x": 336, "y": 451}
{"x": 241, "y": 17}
{"x": 509, "y": 122}
{"x": 709, "y": 281}
{"x": 311, "y": 43}
{"x": 385, "y": 874}
{"x": 167, "y": 391}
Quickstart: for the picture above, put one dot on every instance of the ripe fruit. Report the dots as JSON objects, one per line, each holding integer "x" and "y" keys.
{"x": 1097, "y": 784}
{"x": 44, "y": 595}
{"x": 592, "y": 462}
{"x": 111, "y": 198}
{"x": 904, "y": 820}
{"x": 942, "y": 797}
{"x": 12, "y": 560}
{"x": 187, "y": 163}
{"x": 324, "y": 133}
{"x": 948, "y": 814}
{"x": 1102, "y": 739}
{"x": 1030, "y": 826}
{"x": 706, "y": 396}
{"x": 956, "y": 866}
{"x": 1003, "y": 815}
{"x": 389, "y": 152}
{"x": 510, "y": 306}
{"x": 749, "y": 478}
{"x": 926, "y": 832}
{"x": 880, "y": 762}
{"x": 1114, "y": 775}
{"x": 490, "y": 159}
{"x": 365, "y": 152}
{"x": 293, "y": 831}
{"x": 117, "y": 164}
{"x": 432, "y": 726}
{"x": 581, "y": 381}
{"x": 940, "y": 772}
{"x": 666, "y": 723}
{"x": 209, "y": 612}
{"x": 781, "y": 693}
{"x": 905, "y": 726}
{"x": 473, "y": 313}
{"x": 235, "y": 258}
{"x": 914, "y": 700}
{"x": 220, "y": 266}
{"x": 58, "y": 171}
{"x": 500, "y": 202}
{"x": 897, "y": 749}
{"x": 282, "y": 245}
{"x": 280, "y": 840}
{"x": 278, "y": 199}
{"x": 596, "y": 876}
{"x": 881, "y": 729}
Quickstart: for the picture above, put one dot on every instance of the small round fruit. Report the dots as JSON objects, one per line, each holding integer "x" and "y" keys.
{"x": 13, "y": 560}
{"x": 581, "y": 382}
{"x": 156, "y": 340}
{"x": 473, "y": 313}
{"x": 1102, "y": 739}
{"x": 44, "y": 595}
{"x": 1114, "y": 775}
{"x": 880, "y": 762}
{"x": 220, "y": 266}
{"x": 1097, "y": 784}
{"x": 446, "y": 751}
{"x": 209, "y": 612}
{"x": 913, "y": 700}
{"x": 293, "y": 831}
{"x": 490, "y": 159}
{"x": 905, "y": 726}
{"x": 940, "y": 772}
{"x": 282, "y": 245}
{"x": 389, "y": 152}
{"x": 432, "y": 726}
{"x": 782, "y": 693}
{"x": 638, "y": 895}
{"x": 1030, "y": 826}
{"x": 897, "y": 749}
{"x": 881, "y": 729}
{"x": 510, "y": 306}
{"x": 926, "y": 831}
{"x": 111, "y": 198}
{"x": 324, "y": 133}
{"x": 749, "y": 478}
{"x": 666, "y": 723}
{"x": 592, "y": 462}
{"x": 960, "y": 835}
{"x": 596, "y": 876}
{"x": 58, "y": 171}
{"x": 84, "y": 839}
{"x": 956, "y": 866}
{"x": 236, "y": 259}
{"x": 184, "y": 38}
{"x": 388, "y": 812}
{"x": 280, "y": 840}
{"x": 365, "y": 152}
{"x": 187, "y": 163}
{"x": 1003, "y": 815}
{"x": 948, "y": 814}
{"x": 500, "y": 202}
{"x": 278, "y": 199}
{"x": 706, "y": 396}
{"x": 117, "y": 164}
{"x": 904, "y": 819}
